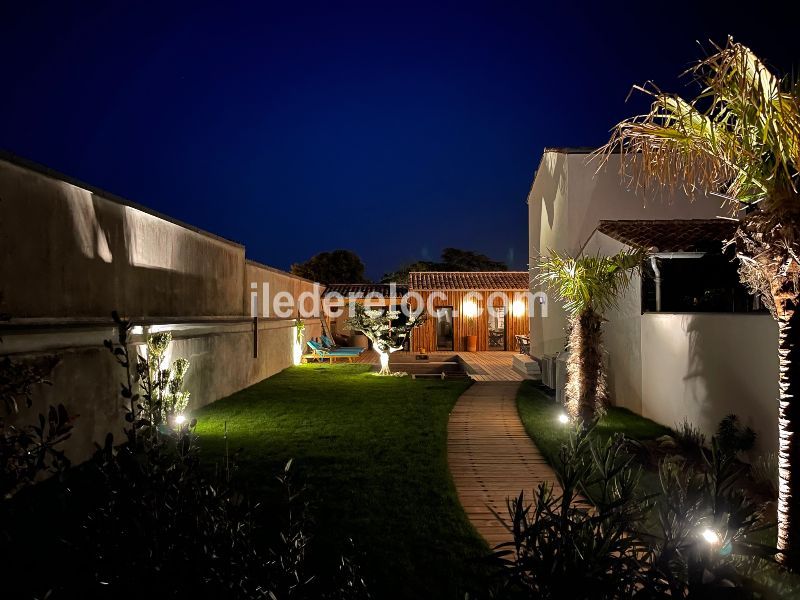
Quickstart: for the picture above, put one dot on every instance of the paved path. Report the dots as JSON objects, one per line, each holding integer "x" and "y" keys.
{"x": 491, "y": 456}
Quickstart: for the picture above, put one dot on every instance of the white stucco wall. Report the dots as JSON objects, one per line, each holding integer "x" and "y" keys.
{"x": 703, "y": 366}
{"x": 567, "y": 200}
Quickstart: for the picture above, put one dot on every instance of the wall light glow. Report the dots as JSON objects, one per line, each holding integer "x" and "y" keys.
{"x": 470, "y": 309}
{"x": 297, "y": 347}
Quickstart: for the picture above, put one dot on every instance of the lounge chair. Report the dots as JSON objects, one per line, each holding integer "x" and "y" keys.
{"x": 321, "y": 353}
{"x": 329, "y": 344}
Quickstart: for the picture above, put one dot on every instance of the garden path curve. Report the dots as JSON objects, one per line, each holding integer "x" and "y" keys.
{"x": 491, "y": 456}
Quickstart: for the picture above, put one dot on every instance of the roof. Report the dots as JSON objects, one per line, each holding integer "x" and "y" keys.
{"x": 384, "y": 289}
{"x": 674, "y": 235}
{"x": 571, "y": 149}
{"x": 469, "y": 280}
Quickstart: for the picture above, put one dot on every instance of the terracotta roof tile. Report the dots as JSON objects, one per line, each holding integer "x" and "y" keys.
{"x": 675, "y": 235}
{"x": 383, "y": 289}
{"x": 468, "y": 280}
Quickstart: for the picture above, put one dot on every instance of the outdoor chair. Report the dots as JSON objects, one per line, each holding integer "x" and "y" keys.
{"x": 329, "y": 344}
{"x": 321, "y": 353}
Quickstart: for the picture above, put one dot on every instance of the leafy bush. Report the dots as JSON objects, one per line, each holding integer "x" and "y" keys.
{"x": 566, "y": 546}
{"x": 687, "y": 441}
{"x": 166, "y": 384}
{"x": 27, "y": 451}
{"x": 733, "y": 437}
{"x": 591, "y": 539}
{"x": 764, "y": 475}
{"x": 154, "y": 523}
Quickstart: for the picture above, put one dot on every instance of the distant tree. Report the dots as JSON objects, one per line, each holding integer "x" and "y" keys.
{"x": 401, "y": 274}
{"x": 338, "y": 266}
{"x": 452, "y": 259}
{"x": 467, "y": 260}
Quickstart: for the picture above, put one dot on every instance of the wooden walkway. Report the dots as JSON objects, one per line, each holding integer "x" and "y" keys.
{"x": 491, "y": 456}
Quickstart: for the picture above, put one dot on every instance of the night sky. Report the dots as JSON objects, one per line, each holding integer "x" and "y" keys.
{"x": 392, "y": 129}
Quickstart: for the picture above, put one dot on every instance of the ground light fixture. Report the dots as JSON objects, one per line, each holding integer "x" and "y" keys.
{"x": 710, "y": 536}
{"x": 563, "y": 418}
{"x": 180, "y": 420}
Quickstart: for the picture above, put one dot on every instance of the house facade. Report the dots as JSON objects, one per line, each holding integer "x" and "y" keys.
{"x": 686, "y": 341}
{"x": 470, "y": 311}
{"x": 467, "y": 311}
{"x": 568, "y": 198}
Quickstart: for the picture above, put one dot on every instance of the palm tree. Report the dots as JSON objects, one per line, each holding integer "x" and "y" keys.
{"x": 739, "y": 140}
{"x": 588, "y": 286}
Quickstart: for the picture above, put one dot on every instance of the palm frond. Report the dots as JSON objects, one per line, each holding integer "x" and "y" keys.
{"x": 594, "y": 282}
{"x": 740, "y": 136}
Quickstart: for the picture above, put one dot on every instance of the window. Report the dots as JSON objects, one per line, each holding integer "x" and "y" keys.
{"x": 706, "y": 283}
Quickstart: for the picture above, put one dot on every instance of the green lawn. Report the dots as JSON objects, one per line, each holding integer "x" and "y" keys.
{"x": 539, "y": 413}
{"x": 373, "y": 451}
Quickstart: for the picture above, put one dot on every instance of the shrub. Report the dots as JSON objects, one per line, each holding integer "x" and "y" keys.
{"x": 733, "y": 437}
{"x": 29, "y": 450}
{"x": 764, "y": 475}
{"x": 591, "y": 539}
{"x": 567, "y": 547}
{"x": 154, "y": 523}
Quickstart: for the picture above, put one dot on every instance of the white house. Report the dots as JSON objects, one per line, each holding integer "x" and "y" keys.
{"x": 687, "y": 342}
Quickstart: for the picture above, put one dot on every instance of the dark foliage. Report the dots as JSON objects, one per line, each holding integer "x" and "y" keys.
{"x": 152, "y": 523}
{"x": 28, "y": 450}
{"x": 733, "y": 437}
{"x": 686, "y": 441}
{"x": 589, "y": 540}
{"x": 452, "y": 259}
{"x": 337, "y": 266}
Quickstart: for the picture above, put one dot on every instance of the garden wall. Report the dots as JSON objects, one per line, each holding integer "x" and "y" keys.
{"x": 70, "y": 254}
{"x": 703, "y": 366}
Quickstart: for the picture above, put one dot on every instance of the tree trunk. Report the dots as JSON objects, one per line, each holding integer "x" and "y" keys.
{"x": 788, "y": 430}
{"x": 384, "y": 358}
{"x": 586, "y": 381}
{"x": 767, "y": 245}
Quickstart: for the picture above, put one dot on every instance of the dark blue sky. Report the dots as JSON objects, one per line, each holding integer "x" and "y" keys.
{"x": 393, "y": 129}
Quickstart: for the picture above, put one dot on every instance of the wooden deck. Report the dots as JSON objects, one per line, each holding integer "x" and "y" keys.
{"x": 491, "y": 456}
{"x": 490, "y": 366}
{"x": 481, "y": 366}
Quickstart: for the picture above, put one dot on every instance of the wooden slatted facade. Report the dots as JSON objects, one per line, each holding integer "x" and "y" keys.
{"x": 464, "y": 302}
{"x": 424, "y": 337}
{"x": 466, "y": 293}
